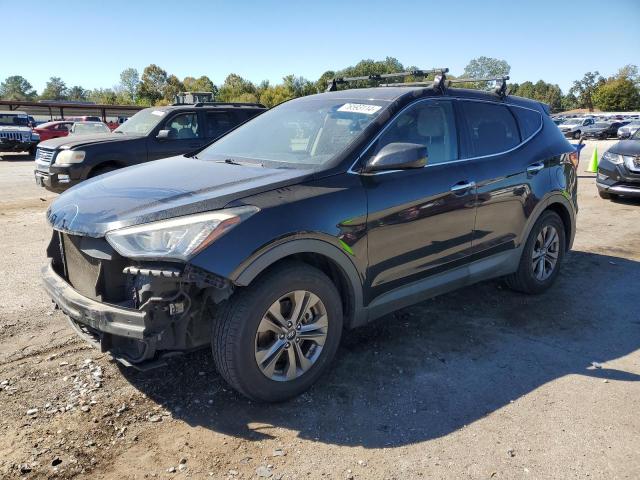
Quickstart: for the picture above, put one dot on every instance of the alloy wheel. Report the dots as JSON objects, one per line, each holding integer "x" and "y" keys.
{"x": 291, "y": 335}
{"x": 545, "y": 253}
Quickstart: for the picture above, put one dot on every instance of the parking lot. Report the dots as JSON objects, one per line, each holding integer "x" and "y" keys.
{"x": 479, "y": 383}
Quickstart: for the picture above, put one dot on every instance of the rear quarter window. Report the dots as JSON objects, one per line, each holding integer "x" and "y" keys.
{"x": 529, "y": 121}
{"x": 489, "y": 129}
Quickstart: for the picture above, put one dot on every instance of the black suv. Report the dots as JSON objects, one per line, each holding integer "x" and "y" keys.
{"x": 323, "y": 213}
{"x": 619, "y": 169}
{"x": 152, "y": 133}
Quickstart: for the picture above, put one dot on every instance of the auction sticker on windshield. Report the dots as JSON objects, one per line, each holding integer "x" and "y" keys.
{"x": 359, "y": 108}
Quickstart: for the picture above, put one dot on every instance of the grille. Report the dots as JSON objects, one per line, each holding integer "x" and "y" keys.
{"x": 44, "y": 155}
{"x": 95, "y": 278}
{"x": 11, "y": 135}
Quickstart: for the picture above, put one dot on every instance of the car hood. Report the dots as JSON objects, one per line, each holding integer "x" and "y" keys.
{"x": 626, "y": 147}
{"x": 159, "y": 190}
{"x": 73, "y": 141}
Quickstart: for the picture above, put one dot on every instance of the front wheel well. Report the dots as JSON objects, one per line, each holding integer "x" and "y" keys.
{"x": 104, "y": 166}
{"x": 332, "y": 270}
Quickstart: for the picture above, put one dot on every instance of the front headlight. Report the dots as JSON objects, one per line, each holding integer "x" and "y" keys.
{"x": 178, "y": 238}
{"x": 66, "y": 157}
{"x": 612, "y": 157}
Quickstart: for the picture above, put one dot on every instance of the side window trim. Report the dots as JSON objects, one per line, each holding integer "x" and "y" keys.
{"x": 458, "y": 122}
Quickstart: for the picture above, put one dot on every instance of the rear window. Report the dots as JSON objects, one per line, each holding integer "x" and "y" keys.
{"x": 529, "y": 121}
{"x": 490, "y": 129}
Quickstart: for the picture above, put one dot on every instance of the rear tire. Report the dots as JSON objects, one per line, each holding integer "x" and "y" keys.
{"x": 542, "y": 256}
{"x": 245, "y": 329}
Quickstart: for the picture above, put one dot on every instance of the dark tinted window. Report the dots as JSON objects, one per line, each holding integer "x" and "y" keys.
{"x": 528, "y": 120}
{"x": 430, "y": 123}
{"x": 490, "y": 128}
{"x": 219, "y": 123}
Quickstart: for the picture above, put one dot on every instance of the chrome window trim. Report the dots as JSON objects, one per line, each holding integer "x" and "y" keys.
{"x": 379, "y": 134}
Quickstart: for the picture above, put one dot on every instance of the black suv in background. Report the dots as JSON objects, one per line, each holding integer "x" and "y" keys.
{"x": 324, "y": 213}
{"x": 152, "y": 133}
{"x": 619, "y": 169}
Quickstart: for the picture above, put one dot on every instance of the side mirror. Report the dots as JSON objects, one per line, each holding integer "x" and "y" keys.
{"x": 398, "y": 156}
{"x": 162, "y": 135}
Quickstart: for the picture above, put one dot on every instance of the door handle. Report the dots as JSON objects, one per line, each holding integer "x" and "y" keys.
{"x": 463, "y": 186}
{"x": 535, "y": 168}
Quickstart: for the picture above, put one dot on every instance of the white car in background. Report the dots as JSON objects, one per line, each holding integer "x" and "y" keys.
{"x": 629, "y": 129}
{"x": 573, "y": 127}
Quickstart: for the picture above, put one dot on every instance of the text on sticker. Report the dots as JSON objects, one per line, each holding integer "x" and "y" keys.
{"x": 359, "y": 108}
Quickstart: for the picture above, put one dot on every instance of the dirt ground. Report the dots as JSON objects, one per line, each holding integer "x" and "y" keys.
{"x": 480, "y": 383}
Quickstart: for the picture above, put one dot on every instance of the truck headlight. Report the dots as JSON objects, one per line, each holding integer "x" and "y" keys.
{"x": 177, "y": 238}
{"x": 613, "y": 158}
{"x": 66, "y": 157}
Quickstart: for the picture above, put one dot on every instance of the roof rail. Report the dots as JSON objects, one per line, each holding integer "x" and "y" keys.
{"x": 332, "y": 85}
{"x": 220, "y": 104}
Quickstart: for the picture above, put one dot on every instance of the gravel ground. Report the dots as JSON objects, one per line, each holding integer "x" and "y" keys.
{"x": 479, "y": 383}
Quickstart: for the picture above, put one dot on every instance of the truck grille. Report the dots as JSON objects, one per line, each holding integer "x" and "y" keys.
{"x": 11, "y": 135}
{"x": 43, "y": 155}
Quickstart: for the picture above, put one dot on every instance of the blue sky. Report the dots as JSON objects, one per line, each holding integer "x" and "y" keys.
{"x": 89, "y": 43}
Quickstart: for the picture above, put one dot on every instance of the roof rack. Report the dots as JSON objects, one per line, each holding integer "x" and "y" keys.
{"x": 440, "y": 81}
{"x": 332, "y": 85}
{"x": 501, "y": 83}
{"x": 220, "y": 104}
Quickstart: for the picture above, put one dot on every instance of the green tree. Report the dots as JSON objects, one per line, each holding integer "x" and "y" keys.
{"x": 583, "y": 89}
{"x": 485, "y": 67}
{"x": 237, "y": 89}
{"x": 152, "y": 86}
{"x": 617, "y": 95}
{"x": 77, "y": 93}
{"x": 201, "y": 84}
{"x": 630, "y": 72}
{"x": 569, "y": 102}
{"x": 16, "y": 87}
{"x": 171, "y": 89}
{"x": 541, "y": 91}
{"x": 271, "y": 96}
{"x": 55, "y": 89}
{"x": 129, "y": 80}
{"x": 105, "y": 96}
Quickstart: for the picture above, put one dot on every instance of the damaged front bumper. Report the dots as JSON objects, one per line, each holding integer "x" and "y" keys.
{"x": 137, "y": 313}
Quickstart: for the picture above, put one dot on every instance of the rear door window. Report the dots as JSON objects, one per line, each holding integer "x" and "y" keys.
{"x": 529, "y": 121}
{"x": 219, "y": 122}
{"x": 489, "y": 129}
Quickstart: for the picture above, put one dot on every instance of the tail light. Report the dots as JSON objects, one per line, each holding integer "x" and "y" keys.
{"x": 574, "y": 158}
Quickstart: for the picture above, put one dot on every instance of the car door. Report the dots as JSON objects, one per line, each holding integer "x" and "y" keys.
{"x": 185, "y": 135}
{"x": 420, "y": 221}
{"x": 506, "y": 168}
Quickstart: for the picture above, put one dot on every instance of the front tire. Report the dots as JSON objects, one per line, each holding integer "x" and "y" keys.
{"x": 542, "y": 256}
{"x": 576, "y": 135}
{"x": 273, "y": 339}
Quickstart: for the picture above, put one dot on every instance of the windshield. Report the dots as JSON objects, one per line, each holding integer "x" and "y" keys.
{"x": 142, "y": 122}
{"x": 9, "y": 119}
{"x": 306, "y": 131}
{"x": 89, "y": 128}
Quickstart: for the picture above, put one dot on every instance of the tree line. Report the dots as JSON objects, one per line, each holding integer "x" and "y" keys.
{"x": 620, "y": 92}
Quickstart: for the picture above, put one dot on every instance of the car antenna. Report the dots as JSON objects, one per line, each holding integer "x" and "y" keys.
{"x": 332, "y": 85}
